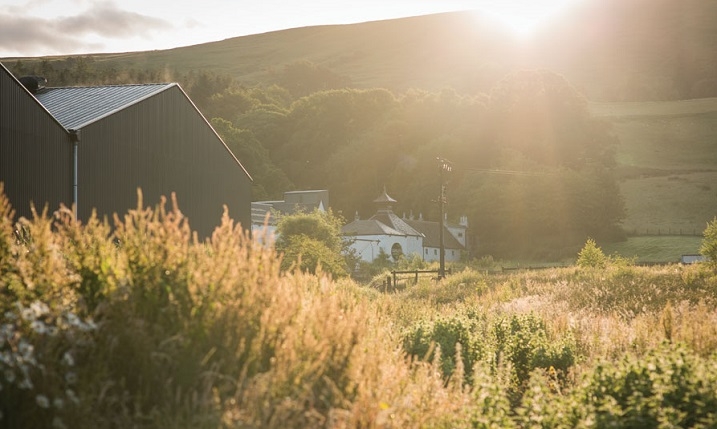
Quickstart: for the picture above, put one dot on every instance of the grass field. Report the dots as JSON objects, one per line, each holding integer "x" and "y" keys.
{"x": 655, "y": 248}
{"x": 165, "y": 332}
{"x": 667, "y": 161}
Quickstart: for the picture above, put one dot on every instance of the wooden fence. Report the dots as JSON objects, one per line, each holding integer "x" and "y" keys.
{"x": 654, "y": 232}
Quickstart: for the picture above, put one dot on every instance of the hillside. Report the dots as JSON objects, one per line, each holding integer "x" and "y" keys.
{"x": 613, "y": 50}
{"x": 632, "y": 58}
{"x": 426, "y": 52}
{"x": 668, "y": 163}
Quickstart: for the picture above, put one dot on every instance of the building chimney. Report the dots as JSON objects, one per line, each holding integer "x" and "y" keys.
{"x": 33, "y": 83}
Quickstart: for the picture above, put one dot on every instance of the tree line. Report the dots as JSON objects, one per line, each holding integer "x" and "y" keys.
{"x": 310, "y": 130}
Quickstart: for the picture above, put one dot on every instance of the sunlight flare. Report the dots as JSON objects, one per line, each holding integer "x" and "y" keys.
{"x": 523, "y": 17}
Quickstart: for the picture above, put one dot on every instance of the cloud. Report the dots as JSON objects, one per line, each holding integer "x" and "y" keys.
{"x": 26, "y": 35}
{"x": 106, "y": 19}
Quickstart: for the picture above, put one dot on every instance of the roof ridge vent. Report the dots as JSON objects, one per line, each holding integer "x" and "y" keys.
{"x": 33, "y": 83}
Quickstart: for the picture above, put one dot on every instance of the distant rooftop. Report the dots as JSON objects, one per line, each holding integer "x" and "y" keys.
{"x": 75, "y": 107}
{"x": 293, "y": 202}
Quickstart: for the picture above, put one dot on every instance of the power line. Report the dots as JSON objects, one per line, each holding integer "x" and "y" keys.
{"x": 509, "y": 172}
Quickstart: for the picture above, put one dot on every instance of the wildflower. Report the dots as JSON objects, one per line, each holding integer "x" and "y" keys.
{"x": 58, "y": 424}
{"x": 71, "y": 378}
{"x": 39, "y": 308}
{"x": 90, "y": 325}
{"x": 67, "y": 359}
{"x": 58, "y": 403}
{"x": 26, "y": 383}
{"x": 27, "y": 313}
{"x": 9, "y": 376}
{"x": 38, "y": 326}
{"x": 8, "y": 328}
{"x": 72, "y": 396}
{"x": 73, "y": 320}
{"x": 42, "y": 401}
{"x": 25, "y": 349}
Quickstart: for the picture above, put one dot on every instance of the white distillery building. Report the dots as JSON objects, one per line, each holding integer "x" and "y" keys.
{"x": 388, "y": 233}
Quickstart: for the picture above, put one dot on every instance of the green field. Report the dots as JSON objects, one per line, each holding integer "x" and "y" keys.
{"x": 667, "y": 161}
{"x": 655, "y": 248}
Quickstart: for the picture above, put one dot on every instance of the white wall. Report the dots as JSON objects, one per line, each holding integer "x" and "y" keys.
{"x": 431, "y": 254}
{"x": 368, "y": 247}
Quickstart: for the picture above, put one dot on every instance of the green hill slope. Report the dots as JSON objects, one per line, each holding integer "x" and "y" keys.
{"x": 668, "y": 163}
{"x": 616, "y": 50}
{"x": 434, "y": 51}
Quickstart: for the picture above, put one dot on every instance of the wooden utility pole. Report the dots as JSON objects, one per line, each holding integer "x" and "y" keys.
{"x": 444, "y": 166}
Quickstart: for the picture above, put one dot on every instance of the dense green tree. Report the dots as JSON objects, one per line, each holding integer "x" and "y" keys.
{"x": 269, "y": 181}
{"x": 524, "y": 208}
{"x": 303, "y": 77}
{"x": 323, "y": 123}
{"x": 270, "y": 124}
{"x": 230, "y": 103}
{"x": 202, "y": 85}
{"x": 310, "y": 240}
{"x": 539, "y": 114}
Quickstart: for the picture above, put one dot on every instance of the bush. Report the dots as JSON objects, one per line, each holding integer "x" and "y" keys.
{"x": 309, "y": 255}
{"x": 709, "y": 243}
{"x": 668, "y": 387}
{"x": 591, "y": 256}
{"x": 523, "y": 341}
{"x": 445, "y": 333}
{"x": 310, "y": 240}
{"x": 44, "y": 330}
{"x": 39, "y": 351}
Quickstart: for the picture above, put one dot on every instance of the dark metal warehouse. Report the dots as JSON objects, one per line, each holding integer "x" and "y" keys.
{"x": 95, "y": 146}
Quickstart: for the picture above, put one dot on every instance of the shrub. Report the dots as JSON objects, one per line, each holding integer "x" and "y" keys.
{"x": 43, "y": 333}
{"x": 39, "y": 351}
{"x": 668, "y": 387}
{"x": 445, "y": 333}
{"x": 709, "y": 243}
{"x": 523, "y": 341}
{"x": 310, "y": 240}
{"x": 309, "y": 255}
{"x": 591, "y": 256}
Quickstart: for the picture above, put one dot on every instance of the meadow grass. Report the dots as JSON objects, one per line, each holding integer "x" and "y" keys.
{"x": 679, "y": 203}
{"x": 660, "y": 249}
{"x": 667, "y": 161}
{"x": 141, "y": 325}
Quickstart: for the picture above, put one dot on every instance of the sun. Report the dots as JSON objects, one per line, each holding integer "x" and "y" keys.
{"x": 523, "y": 17}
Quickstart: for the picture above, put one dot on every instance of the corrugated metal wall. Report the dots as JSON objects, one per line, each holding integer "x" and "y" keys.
{"x": 161, "y": 145}
{"x": 35, "y": 151}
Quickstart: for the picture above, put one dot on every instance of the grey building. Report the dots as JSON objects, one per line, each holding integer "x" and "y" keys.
{"x": 264, "y": 213}
{"x": 95, "y": 146}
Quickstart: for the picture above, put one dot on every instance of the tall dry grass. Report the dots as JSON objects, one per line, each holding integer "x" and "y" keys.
{"x": 139, "y": 324}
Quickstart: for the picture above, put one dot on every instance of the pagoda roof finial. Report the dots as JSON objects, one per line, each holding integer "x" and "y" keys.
{"x": 384, "y": 198}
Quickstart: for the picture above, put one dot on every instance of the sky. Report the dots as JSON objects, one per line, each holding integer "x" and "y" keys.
{"x": 30, "y": 28}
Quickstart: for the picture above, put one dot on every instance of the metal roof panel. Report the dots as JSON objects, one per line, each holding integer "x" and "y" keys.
{"x": 75, "y": 107}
